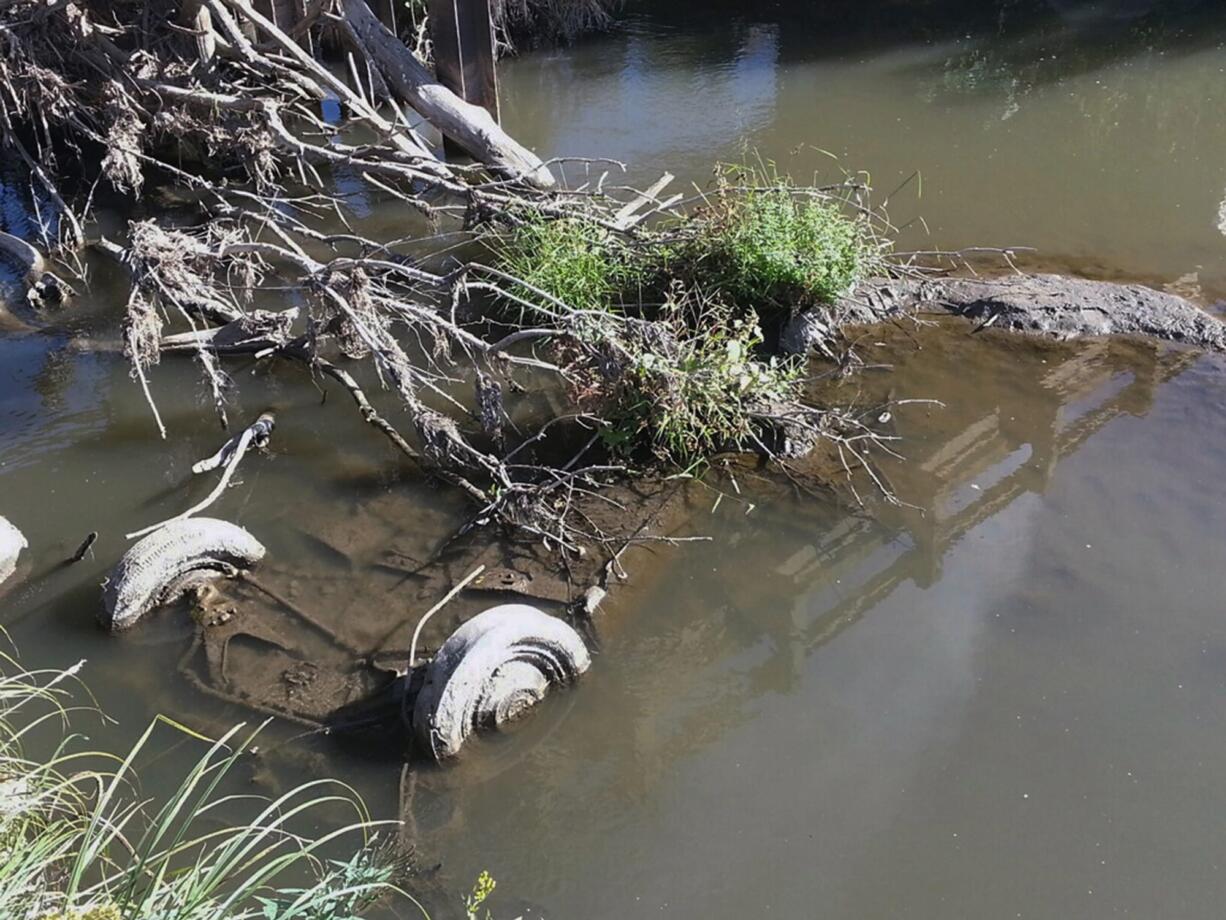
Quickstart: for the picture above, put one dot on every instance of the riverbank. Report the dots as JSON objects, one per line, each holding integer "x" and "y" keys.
{"x": 80, "y": 842}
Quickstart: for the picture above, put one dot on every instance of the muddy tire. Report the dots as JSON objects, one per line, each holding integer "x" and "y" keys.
{"x": 491, "y": 671}
{"x": 171, "y": 561}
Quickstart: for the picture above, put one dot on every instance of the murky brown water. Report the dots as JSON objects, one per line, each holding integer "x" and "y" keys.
{"x": 1094, "y": 137}
{"x": 1003, "y": 698}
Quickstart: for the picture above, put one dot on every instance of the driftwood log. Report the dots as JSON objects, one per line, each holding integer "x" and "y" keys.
{"x": 470, "y": 126}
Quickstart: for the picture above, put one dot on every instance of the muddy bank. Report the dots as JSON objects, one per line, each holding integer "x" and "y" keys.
{"x": 1051, "y": 305}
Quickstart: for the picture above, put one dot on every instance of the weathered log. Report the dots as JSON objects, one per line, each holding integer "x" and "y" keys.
{"x": 470, "y": 126}
{"x": 257, "y": 331}
{"x": 171, "y": 561}
{"x": 490, "y": 671}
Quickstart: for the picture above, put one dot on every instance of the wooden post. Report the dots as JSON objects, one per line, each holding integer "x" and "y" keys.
{"x": 462, "y": 32}
{"x": 284, "y": 14}
{"x": 386, "y": 11}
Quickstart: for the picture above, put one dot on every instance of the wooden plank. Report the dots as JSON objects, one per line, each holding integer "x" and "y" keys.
{"x": 480, "y": 61}
{"x": 462, "y": 32}
{"x": 628, "y": 216}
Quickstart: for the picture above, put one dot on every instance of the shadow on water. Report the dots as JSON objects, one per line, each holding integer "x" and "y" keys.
{"x": 1058, "y": 38}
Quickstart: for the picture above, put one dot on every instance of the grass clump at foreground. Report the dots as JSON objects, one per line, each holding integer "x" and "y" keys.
{"x": 78, "y": 842}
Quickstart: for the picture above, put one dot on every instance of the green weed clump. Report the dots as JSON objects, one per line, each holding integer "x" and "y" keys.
{"x": 763, "y": 241}
{"x": 483, "y": 887}
{"x": 700, "y": 385}
{"x": 78, "y": 841}
{"x": 574, "y": 261}
{"x": 759, "y": 242}
{"x": 669, "y": 317}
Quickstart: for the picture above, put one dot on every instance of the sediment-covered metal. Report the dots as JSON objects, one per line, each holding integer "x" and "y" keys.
{"x": 491, "y": 671}
{"x": 172, "y": 560}
{"x": 12, "y": 542}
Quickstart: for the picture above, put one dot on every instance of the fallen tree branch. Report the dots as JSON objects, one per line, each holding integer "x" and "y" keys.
{"x": 468, "y": 125}
{"x": 256, "y": 435}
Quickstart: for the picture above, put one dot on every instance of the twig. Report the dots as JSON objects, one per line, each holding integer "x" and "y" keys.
{"x": 261, "y": 428}
{"x": 84, "y": 548}
{"x": 439, "y": 606}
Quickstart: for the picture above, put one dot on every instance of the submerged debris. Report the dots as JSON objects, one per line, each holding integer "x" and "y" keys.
{"x": 12, "y": 542}
{"x": 22, "y": 256}
{"x": 490, "y": 671}
{"x": 170, "y": 562}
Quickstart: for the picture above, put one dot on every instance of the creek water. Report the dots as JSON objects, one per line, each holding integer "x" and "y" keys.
{"x": 1002, "y": 697}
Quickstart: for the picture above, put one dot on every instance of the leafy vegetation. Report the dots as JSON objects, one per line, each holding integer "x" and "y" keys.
{"x": 759, "y": 241}
{"x": 763, "y": 241}
{"x": 483, "y": 887}
{"x": 571, "y": 260}
{"x": 698, "y": 388}
{"x": 696, "y": 379}
{"x": 77, "y": 842}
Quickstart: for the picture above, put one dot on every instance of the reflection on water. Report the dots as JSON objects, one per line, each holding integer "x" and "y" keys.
{"x": 1092, "y": 131}
{"x": 929, "y": 711}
